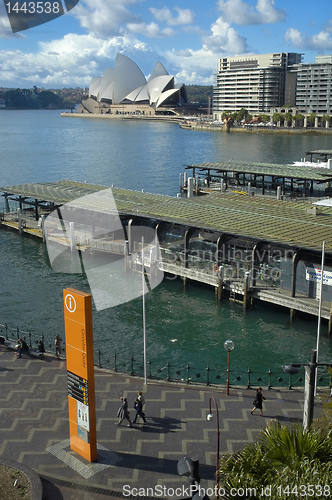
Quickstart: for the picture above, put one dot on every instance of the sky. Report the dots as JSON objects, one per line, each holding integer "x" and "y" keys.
{"x": 187, "y": 37}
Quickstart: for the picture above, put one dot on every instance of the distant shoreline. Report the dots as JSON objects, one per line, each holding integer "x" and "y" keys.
{"x": 203, "y": 127}
{"x": 113, "y": 116}
{"x": 260, "y": 130}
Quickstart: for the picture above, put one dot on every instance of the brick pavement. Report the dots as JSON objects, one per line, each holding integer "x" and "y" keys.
{"x": 34, "y": 428}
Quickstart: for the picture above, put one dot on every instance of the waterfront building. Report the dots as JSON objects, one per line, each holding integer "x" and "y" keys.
{"x": 314, "y": 86}
{"x": 256, "y": 83}
{"x": 124, "y": 89}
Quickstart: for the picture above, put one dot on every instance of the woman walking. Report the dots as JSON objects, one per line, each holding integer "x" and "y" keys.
{"x": 258, "y": 402}
{"x": 123, "y": 413}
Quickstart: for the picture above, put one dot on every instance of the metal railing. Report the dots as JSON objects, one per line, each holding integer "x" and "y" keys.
{"x": 189, "y": 373}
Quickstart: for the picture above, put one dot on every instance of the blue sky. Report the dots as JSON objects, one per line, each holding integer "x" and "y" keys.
{"x": 188, "y": 37}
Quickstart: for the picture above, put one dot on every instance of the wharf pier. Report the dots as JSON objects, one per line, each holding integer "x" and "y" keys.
{"x": 249, "y": 248}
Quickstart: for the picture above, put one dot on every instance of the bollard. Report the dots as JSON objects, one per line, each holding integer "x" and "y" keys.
{"x": 168, "y": 372}
{"x": 188, "y": 378}
{"x": 132, "y": 366}
{"x": 208, "y": 375}
{"x": 99, "y": 358}
{"x": 290, "y": 381}
{"x": 115, "y": 367}
{"x": 248, "y": 371}
{"x": 29, "y": 333}
{"x": 270, "y": 384}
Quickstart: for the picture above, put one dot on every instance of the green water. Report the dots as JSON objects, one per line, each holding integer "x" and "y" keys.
{"x": 184, "y": 327}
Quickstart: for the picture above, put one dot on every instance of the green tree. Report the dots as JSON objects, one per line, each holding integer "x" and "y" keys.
{"x": 288, "y": 118}
{"x": 299, "y": 118}
{"x": 325, "y": 118}
{"x": 265, "y": 118}
{"x": 276, "y": 117}
{"x": 199, "y": 93}
{"x": 48, "y": 99}
{"x": 311, "y": 119}
{"x": 19, "y": 98}
{"x": 282, "y": 456}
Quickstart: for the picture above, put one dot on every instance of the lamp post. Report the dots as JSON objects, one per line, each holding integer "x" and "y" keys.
{"x": 309, "y": 387}
{"x": 229, "y": 346}
{"x": 210, "y": 417}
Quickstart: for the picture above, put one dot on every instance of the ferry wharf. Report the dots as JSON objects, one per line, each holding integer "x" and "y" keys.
{"x": 138, "y": 462}
{"x": 249, "y": 248}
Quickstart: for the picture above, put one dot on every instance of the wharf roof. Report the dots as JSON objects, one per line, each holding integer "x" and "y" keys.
{"x": 321, "y": 152}
{"x": 267, "y": 169}
{"x": 58, "y": 192}
{"x": 255, "y": 217}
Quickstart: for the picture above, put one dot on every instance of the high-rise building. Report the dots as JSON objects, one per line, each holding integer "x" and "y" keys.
{"x": 314, "y": 86}
{"x": 256, "y": 83}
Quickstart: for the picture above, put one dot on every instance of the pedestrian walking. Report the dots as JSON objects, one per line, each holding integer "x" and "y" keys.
{"x": 258, "y": 402}
{"x": 139, "y": 410}
{"x": 141, "y": 398}
{"x": 123, "y": 413}
{"x": 57, "y": 343}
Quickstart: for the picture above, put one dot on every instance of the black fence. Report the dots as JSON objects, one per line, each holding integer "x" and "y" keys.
{"x": 190, "y": 373}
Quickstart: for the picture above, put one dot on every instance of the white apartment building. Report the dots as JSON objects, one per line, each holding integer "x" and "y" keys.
{"x": 314, "y": 86}
{"x": 256, "y": 83}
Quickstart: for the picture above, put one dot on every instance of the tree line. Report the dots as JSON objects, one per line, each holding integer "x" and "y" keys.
{"x": 34, "y": 99}
{"x": 199, "y": 93}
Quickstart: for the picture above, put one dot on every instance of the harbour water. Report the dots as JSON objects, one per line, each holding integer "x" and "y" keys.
{"x": 183, "y": 326}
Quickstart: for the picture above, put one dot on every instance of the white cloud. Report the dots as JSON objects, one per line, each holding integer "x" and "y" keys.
{"x": 295, "y": 37}
{"x": 73, "y": 60}
{"x": 104, "y": 18}
{"x": 320, "y": 42}
{"x": 151, "y": 30}
{"x": 199, "y": 66}
{"x": 239, "y": 12}
{"x": 193, "y": 78}
{"x": 185, "y": 16}
{"x": 225, "y": 39}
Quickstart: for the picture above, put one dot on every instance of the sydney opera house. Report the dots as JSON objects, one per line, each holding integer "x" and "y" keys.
{"x": 125, "y": 90}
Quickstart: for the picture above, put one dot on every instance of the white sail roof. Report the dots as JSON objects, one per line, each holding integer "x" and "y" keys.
{"x": 126, "y": 83}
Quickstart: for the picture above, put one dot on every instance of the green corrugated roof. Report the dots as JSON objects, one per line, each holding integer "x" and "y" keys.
{"x": 59, "y": 192}
{"x": 324, "y": 152}
{"x": 262, "y": 218}
{"x": 268, "y": 169}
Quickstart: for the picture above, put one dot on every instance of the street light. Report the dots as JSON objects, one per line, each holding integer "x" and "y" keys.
{"x": 229, "y": 346}
{"x": 209, "y": 417}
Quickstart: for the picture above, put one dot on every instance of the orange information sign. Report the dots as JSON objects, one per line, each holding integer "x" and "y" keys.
{"x": 80, "y": 372}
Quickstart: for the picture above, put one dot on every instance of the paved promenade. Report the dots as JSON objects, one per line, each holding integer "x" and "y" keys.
{"x": 35, "y": 432}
